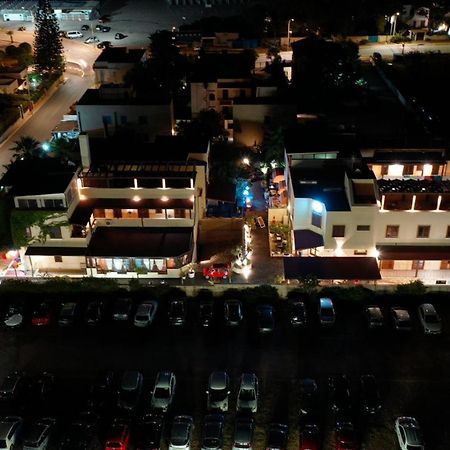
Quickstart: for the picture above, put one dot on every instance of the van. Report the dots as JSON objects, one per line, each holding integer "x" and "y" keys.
{"x": 74, "y": 34}
{"x": 327, "y": 315}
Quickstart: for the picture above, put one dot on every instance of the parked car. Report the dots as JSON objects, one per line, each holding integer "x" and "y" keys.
{"x": 163, "y": 391}
{"x": 206, "y": 314}
{"x": 309, "y": 396}
{"x": 265, "y": 320}
{"x": 91, "y": 40}
{"x": 278, "y": 437}
{"x": 14, "y": 315}
{"x": 244, "y": 430}
{"x": 327, "y": 315}
{"x": 104, "y": 44}
{"x": 339, "y": 391}
{"x": 15, "y": 386}
{"x": 409, "y": 434}
{"x": 370, "y": 396}
{"x": 297, "y": 314}
{"x": 101, "y": 391}
{"x": 37, "y": 434}
{"x": 217, "y": 272}
{"x": 149, "y": 432}
{"x": 401, "y": 319}
{"x": 374, "y": 317}
{"x": 104, "y": 19}
{"x": 10, "y": 429}
{"x": 81, "y": 433}
{"x": 218, "y": 391}
{"x": 42, "y": 387}
{"x": 145, "y": 313}
{"x": 122, "y": 309}
{"x": 120, "y": 36}
{"x": 42, "y": 315}
{"x": 247, "y": 399}
{"x": 181, "y": 433}
{"x": 73, "y": 34}
{"x": 102, "y": 28}
{"x": 130, "y": 390}
{"x": 85, "y": 27}
{"x": 177, "y": 313}
{"x": 94, "y": 312}
{"x": 345, "y": 436}
{"x": 233, "y": 312}
{"x": 310, "y": 437}
{"x": 430, "y": 319}
{"x": 118, "y": 436}
{"x": 212, "y": 438}
{"x": 69, "y": 314}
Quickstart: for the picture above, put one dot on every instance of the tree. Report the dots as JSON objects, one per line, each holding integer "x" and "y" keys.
{"x": 27, "y": 148}
{"x": 64, "y": 150}
{"x": 48, "y": 48}
{"x": 273, "y": 146}
{"x": 208, "y": 124}
{"x": 10, "y": 33}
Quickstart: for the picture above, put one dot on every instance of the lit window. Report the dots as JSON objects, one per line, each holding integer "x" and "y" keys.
{"x": 392, "y": 231}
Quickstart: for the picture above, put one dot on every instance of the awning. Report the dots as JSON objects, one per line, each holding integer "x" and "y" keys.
{"x": 332, "y": 268}
{"x": 84, "y": 209}
{"x": 307, "y": 239}
{"x": 414, "y": 252}
{"x": 56, "y": 251}
{"x": 140, "y": 242}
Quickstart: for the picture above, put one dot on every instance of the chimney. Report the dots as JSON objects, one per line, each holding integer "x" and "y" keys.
{"x": 85, "y": 152}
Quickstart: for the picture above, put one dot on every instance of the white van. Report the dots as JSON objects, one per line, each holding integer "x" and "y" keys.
{"x": 74, "y": 34}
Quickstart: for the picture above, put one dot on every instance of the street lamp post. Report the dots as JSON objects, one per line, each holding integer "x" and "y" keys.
{"x": 394, "y": 23}
{"x": 289, "y": 32}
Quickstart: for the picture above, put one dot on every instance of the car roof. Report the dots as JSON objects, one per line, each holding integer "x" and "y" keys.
{"x": 412, "y": 430}
{"x": 69, "y": 306}
{"x": 130, "y": 380}
{"x": 144, "y": 308}
{"x": 401, "y": 313}
{"x": 428, "y": 308}
{"x": 35, "y": 431}
{"x": 5, "y": 426}
{"x": 163, "y": 377}
{"x": 248, "y": 380}
{"x": 218, "y": 380}
{"x": 243, "y": 430}
{"x": 326, "y": 302}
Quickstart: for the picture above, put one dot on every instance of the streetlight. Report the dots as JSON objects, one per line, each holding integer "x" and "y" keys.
{"x": 394, "y": 23}
{"x": 289, "y": 32}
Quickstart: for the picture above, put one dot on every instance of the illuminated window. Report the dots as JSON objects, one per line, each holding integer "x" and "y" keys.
{"x": 392, "y": 231}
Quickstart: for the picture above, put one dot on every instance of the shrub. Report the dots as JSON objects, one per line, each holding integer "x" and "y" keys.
{"x": 413, "y": 288}
{"x": 363, "y": 41}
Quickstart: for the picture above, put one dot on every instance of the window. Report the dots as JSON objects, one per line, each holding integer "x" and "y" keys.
{"x": 338, "y": 231}
{"x": 225, "y": 94}
{"x": 360, "y": 252}
{"x": 107, "y": 120}
{"x": 58, "y": 259}
{"x": 32, "y": 204}
{"x": 423, "y": 231}
{"x": 316, "y": 219}
{"x": 448, "y": 232}
{"x": 384, "y": 169}
{"x": 363, "y": 228}
{"x": 392, "y": 231}
{"x": 54, "y": 203}
{"x": 55, "y": 233}
{"x": 445, "y": 264}
{"x": 408, "y": 169}
{"x": 142, "y": 120}
{"x": 212, "y": 97}
{"x": 418, "y": 264}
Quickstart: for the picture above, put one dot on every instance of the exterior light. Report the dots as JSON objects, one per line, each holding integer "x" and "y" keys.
{"x": 164, "y": 198}
{"x": 376, "y": 254}
{"x": 246, "y": 161}
{"x": 45, "y": 146}
{"x": 246, "y": 270}
{"x": 136, "y": 198}
{"x": 317, "y": 207}
{"x": 192, "y": 198}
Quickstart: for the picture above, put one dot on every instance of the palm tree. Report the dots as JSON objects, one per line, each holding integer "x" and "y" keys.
{"x": 27, "y": 148}
{"x": 64, "y": 150}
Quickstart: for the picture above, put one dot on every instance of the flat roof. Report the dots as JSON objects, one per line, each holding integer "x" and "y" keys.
{"x": 325, "y": 185}
{"x": 225, "y": 192}
{"x": 120, "y": 55}
{"x": 332, "y": 268}
{"x": 37, "y": 177}
{"x": 99, "y": 97}
{"x": 140, "y": 242}
{"x": 307, "y": 239}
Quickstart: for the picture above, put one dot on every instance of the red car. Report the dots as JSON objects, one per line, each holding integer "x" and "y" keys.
{"x": 309, "y": 437}
{"x": 118, "y": 436}
{"x": 346, "y": 437}
{"x": 218, "y": 271}
{"x": 42, "y": 315}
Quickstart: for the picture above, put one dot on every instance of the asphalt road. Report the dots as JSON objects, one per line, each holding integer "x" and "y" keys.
{"x": 413, "y": 370}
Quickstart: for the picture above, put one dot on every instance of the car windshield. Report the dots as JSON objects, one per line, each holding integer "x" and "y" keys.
{"x": 161, "y": 393}
{"x": 142, "y": 317}
{"x": 211, "y": 442}
{"x": 247, "y": 395}
{"x": 41, "y": 310}
{"x": 179, "y": 435}
{"x": 233, "y": 311}
{"x": 218, "y": 395}
{"x": 414, "y": 447}
{"x": 177, "y": 309}
{"x": 128, "y": 396}
{"x": 327, "y": 312}
{"x": 122, "y": 307}
{"x": 432, "y": 318}
{"x": 2, "y": 444}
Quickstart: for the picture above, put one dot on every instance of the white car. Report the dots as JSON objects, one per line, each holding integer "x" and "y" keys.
{"x": 430, "y": 320}
{"x": 247, "y": 400}
{"x": 181, "y": 433}
{"x": 10, "y": 428}
{"x": 218, "y": 391}
{"x": 401, "y": 319}
{"x": 163, "y": 391}
{"x": 13, "y": 317}
{"x": 409, "y": 434}
{"x": 145, "y": 314}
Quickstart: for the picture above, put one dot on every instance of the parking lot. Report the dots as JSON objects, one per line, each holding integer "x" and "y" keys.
{"x": 413, "y": 370}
